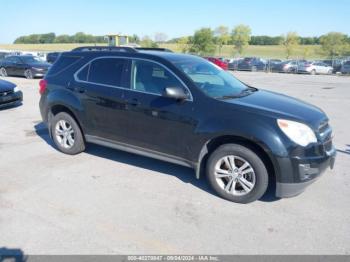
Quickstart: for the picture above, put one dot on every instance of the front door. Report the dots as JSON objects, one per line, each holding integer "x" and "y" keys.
{"x": 157, "y": 122}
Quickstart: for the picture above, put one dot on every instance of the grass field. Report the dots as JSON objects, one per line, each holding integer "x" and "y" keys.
{"x": 310, "y": 52}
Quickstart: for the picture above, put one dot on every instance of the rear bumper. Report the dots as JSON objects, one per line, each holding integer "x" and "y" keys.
{"x": 307, "y": 171}
{"x": 11, "y": 99}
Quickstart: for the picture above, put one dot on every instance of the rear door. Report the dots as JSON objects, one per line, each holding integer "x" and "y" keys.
{"x": 9, "y": 65}
{"x": 100, "y": 86}
{"x": 157, "y": 122}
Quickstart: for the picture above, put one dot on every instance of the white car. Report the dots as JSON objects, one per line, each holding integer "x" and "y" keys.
{"x": 314, "y": 68}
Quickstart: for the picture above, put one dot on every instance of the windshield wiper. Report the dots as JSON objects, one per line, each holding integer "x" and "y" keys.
{"x": 228, "y": 96}
{"x": 244, "y": 92}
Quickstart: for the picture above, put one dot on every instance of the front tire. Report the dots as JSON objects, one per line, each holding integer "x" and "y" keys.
{"x": 237, "y": 174}
{"x": 28, "y": 74}
{"x": 66, "y": 134}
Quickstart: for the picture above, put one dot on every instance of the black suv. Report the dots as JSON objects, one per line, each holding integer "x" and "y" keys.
{"x": 185, "y": 110}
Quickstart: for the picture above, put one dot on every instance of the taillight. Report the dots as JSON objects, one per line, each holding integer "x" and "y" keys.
{"x": 42, "y": 86}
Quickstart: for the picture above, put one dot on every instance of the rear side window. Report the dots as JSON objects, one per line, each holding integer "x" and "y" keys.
{"x": 107, "y": 71}
{"x": 62, "y": 63}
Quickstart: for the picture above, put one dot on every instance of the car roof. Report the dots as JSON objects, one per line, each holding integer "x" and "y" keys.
{"x": 151, "y": 53}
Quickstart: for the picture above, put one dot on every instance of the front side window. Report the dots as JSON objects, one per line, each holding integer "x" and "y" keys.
{"x": 152, "y": 78}
{"x": 211, "y": 79}
{"x": 31, "y": 59}
{"x": 107, "y": 71}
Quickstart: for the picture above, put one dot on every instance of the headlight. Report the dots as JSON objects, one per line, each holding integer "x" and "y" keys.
{"x": 16, "y": 89}
{"x": 297, "y": 132}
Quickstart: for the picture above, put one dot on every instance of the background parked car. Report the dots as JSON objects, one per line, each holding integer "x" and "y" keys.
{"x": 9, "y": 94}
{"x": 345, "y": 69}
{"x": 219, "y": 62}
{"x": 289, "y": 66}
{"x": 272, "y": 64}
{"x": 314, "y": 68}
{"x": 28, "y": 66}
{"x": 3, "y": 55}
{"x": 52, "y": 57}
{"x": 252, "y": 64}
{"x": 336, "y": 64}
{"x": 233, "y": 64}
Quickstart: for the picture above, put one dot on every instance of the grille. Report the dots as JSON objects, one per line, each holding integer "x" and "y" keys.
{"x": 323, "y": 127}
{"x": 325, "y": 132}
{"x": 328, "y": 145}
{"x": 6, "y": 93}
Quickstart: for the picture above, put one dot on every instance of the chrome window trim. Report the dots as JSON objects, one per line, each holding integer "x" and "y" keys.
{"x": 190, "y": 98}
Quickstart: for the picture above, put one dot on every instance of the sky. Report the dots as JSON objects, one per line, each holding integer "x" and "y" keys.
{"x": 173, "y": 17}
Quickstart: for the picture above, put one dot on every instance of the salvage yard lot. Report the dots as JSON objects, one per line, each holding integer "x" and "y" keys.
{"x": 105, "y": 201}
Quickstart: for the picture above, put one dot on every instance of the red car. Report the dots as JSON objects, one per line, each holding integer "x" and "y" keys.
{"x": 219, "y": 62}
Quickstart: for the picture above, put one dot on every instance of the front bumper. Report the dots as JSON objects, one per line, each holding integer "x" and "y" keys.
{"x": 11, "y": 99}
{"x": 39, "y": 72}
{"x": 306, "y": 170}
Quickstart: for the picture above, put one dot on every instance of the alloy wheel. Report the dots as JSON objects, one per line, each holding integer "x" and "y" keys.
{"x": 3, "y": 72}
{"x": 235, "y": 175}
{"x": 64, "y": 133}
{"x": 28, "y": 74}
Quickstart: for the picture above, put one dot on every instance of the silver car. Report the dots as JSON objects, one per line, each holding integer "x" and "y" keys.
{"x": 314, "y": 68}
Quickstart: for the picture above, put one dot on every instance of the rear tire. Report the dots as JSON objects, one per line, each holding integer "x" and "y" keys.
{"x": 313, "y": 72}
{"x": 248, "y": 183}
{"x": 3, "y": 72}
{"x": 67, "y": 134}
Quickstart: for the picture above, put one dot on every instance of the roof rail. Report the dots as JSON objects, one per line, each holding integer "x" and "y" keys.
{"x": 105, "y": 48}
{"x": 154, "y": 49}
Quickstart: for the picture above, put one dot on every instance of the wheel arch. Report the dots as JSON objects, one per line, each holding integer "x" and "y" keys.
{"x": 257, "y": 147}
{"x": 59, "y": 108}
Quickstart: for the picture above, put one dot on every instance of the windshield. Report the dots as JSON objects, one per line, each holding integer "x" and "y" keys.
{"x": 31, "y": 59}
{"x": 211, "y": 79}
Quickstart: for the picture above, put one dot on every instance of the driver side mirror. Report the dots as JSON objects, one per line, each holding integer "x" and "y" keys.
{"x": 175, "y": 93}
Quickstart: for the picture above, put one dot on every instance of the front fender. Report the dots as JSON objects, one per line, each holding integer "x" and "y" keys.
{"x": 262, "y": 131}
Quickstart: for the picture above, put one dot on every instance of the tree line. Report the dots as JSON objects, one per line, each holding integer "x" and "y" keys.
{"x": 206, "y": 41}
{"x": 51, "y": 38}
{"x": 80, "y": 37}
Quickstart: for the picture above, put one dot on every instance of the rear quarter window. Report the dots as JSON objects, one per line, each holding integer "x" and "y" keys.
{"x": 107, "y": 71}
{"x": 62, "y": 63}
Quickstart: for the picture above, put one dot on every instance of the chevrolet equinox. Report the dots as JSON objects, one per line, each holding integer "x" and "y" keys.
{"x": 185, "y": 110}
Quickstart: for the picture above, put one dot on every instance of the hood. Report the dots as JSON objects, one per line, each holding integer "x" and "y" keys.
{"x": 6, "y": 86}
{"x": 282, "y": 106}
